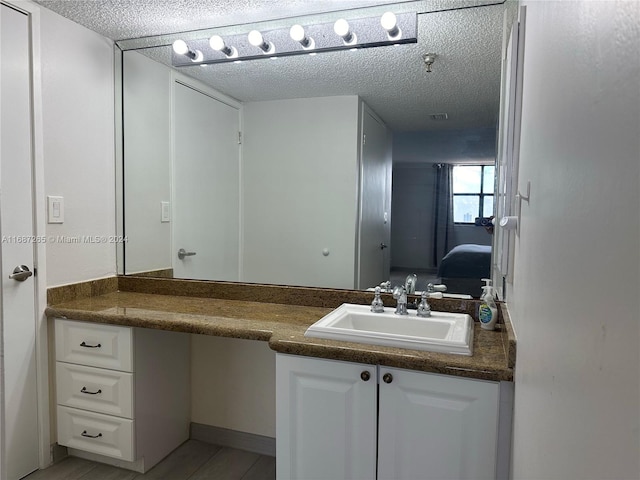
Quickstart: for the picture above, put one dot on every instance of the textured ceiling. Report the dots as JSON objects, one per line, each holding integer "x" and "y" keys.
{"x": 392, "y": 80}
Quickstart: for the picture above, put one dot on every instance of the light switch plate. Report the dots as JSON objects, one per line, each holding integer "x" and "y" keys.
{"x": 165, "y": 213}
{"x": 55, "y": 209}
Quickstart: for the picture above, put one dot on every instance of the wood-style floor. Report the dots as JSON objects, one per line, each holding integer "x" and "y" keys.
{"x": 193, "y": 460}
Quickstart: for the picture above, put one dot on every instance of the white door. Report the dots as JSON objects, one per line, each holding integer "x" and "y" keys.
{"x": 206, "y": 186}
{"x": 325, "y": 419}
{"x": 20, "y": 412}
{"x": 374, "y": 190}
{"x": 436, "y": 427}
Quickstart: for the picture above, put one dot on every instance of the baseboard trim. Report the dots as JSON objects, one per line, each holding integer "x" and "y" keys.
{"x": 224, "y": 437}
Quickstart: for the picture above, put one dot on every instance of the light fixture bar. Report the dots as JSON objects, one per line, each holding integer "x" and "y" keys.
{"x": 303, "y": 39}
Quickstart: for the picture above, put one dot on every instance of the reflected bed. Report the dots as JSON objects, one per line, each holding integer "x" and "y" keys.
{"x": 464, "y": 267}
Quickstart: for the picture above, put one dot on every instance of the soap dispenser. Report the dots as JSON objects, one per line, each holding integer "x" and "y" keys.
{"x": 488, "y": 311}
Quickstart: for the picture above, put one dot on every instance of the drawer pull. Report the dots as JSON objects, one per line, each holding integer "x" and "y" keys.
{"x": 84, "y": 390}
{"x": 90, "y": 346}
{"x": 85, "y": 434}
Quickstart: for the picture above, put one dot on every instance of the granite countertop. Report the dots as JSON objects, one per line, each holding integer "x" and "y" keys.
{"x": 283, "y": 326}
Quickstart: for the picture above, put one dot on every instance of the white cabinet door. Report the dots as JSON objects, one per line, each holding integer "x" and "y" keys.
{"x": 325, "y": 419}
{"x": 436, "y": 427}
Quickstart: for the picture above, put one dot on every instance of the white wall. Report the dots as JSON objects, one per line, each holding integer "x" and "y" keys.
{"x": 299, "y": 191}
{"x": 574, "y": 302}
{"x": 233, "y": 384}
{"x": 78, "y": 135}
{"x": 147, "y": 174}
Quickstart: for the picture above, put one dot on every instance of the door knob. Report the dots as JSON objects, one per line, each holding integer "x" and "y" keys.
{"x": 20, "y": 273}
{"x": 183, "y": 253}
{"x": 387, "y": 378}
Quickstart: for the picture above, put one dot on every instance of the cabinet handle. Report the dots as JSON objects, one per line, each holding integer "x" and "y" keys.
{"x": 365, "y": 376}
{"x": 387, "y": 378}
{"x": 85, "y": 434}
{"x": 84, "y": 390}
{"x": 90, "y": 346}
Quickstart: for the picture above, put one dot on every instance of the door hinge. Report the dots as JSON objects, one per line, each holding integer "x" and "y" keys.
{"x": 239, "y": 138}
{"x": 364, "y": 139}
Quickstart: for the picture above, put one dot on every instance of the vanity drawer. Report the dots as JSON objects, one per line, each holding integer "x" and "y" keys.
{"x": 97, "y": 433}
{"x": 95, "y": 389}
{"x": 93, "y": 344}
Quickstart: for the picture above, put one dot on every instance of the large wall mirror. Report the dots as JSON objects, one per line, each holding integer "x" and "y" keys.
{"x": 343, "y": 169}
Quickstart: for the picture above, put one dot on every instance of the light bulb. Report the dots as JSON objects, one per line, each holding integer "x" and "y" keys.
{"x": 341, "y": 27}
{"x": 217, "y": 43}
{"x": 298, "y": 34}
{"x": 180, "y": 47}
{"x": 255, "y": 38}
{"x": 390, "y": 23}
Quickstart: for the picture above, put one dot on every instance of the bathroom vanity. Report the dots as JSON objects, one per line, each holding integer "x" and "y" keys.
{"x": 344, "y": 410}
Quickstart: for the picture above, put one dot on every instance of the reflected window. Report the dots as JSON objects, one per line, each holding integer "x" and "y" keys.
{"x": 472, "y": 192}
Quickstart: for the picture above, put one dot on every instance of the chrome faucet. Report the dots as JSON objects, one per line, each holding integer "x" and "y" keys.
{"x": 410, "y": 283}
{"x": 400, "y": 294}
{"x": 377, "y": 306}
{"x": 424, "y": 309}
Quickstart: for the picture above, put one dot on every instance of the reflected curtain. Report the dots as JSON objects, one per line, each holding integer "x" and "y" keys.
{"x": 443, "y": 211}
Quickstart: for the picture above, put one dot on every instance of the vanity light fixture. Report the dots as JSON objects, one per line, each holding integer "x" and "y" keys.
{"x": 342, "y": 29}
{"x": 181, "y": 48}
{"x": 298, "y": 34}
{"x": 389, "y": 22}
{"x": 296, "y": 39}
{"x": 256, "y": 39}
{"x": 217, "y": 43}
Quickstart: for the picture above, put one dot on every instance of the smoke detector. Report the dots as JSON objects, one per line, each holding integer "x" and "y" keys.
{"x": 428, "y": 59}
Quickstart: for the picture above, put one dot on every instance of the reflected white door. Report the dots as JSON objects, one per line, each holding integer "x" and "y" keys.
{"x": 206, "y": 186}
{"x": 374, "y": 190}
{"x": 20, "y": 414}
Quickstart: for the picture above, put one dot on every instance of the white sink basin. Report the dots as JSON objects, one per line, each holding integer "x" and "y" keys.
{"x": 442, "y": 332}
